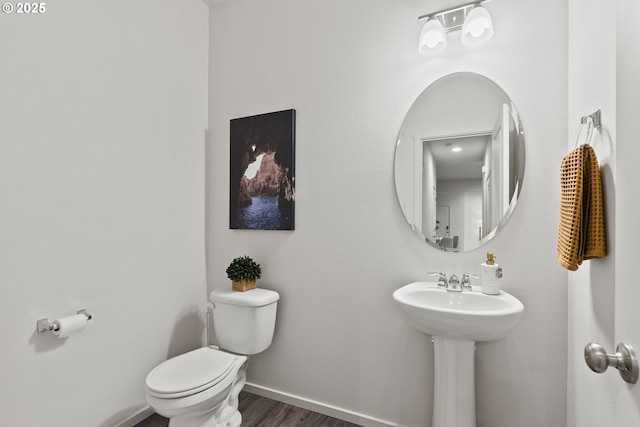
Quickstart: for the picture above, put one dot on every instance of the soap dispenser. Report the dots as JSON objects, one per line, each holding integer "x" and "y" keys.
{"x": 490, "y": 275}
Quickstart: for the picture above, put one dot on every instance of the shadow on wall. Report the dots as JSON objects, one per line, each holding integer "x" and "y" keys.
{"x": 187, "y": 335}
{"x": 188, "y": 332}
{"x": 602, "y": 278}
{"x": 46, "y": 341}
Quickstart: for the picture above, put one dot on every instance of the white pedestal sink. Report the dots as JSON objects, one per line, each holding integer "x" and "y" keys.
{"x": 456, "y": 320}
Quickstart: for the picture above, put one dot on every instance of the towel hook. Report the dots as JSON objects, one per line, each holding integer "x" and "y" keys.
{"x": 593, "y": 121}
{"x": 595, "y": 118}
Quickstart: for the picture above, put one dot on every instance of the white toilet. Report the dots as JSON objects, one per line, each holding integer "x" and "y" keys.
{"x": 200, "y": 388}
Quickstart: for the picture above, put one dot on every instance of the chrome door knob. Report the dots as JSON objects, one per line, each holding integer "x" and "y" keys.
{"x": 624, "y": 359}
{"x": 597, "y": 358}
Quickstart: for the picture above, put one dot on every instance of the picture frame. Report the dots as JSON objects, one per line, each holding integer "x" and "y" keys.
{"x": 262, "y": 171}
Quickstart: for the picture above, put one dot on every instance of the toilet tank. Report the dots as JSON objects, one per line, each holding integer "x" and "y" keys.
{"x": 244, "y": 322}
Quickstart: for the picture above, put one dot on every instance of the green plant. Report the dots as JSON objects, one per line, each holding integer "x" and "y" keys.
{"x": 243, "y": 268}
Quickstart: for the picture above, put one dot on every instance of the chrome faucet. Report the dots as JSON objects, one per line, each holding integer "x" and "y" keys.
{"x": 454, "y": 284}
{"x": 465, "y": 283}
{"x": 442, "y": 278}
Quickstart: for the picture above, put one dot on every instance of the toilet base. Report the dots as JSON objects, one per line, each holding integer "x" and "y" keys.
{"x": 230, "y": 416}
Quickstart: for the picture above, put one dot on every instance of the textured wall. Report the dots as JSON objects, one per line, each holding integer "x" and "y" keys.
{"x": 592, "y": 86}
{"x": 102, "y": 128}
{"x": 351, "y": 71}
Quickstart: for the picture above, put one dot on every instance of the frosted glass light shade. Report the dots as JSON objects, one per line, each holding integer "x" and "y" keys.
{"x": 433, "y": 38}
{"x": 477, "y": 27}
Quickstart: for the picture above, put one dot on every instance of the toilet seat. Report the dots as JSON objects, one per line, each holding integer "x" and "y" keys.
{"x": 190, "y": 373}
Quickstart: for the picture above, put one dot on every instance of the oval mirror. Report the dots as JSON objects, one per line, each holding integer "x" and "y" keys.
{"x": 459, "y": 162}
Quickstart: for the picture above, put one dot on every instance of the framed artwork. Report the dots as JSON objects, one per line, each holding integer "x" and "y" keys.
{"x": 262, "y": 173}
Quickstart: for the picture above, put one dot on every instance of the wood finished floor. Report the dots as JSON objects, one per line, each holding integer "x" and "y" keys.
{"x": 258, "y": 411}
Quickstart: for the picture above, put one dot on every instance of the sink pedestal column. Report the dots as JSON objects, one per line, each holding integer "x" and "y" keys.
{"x": 454, "y": 402}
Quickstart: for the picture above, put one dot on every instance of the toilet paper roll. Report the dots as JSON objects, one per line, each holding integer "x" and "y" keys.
{"x": 69, "y": 325}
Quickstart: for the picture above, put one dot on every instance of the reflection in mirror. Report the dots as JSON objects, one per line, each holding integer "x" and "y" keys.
{"x": 459, "y": 162}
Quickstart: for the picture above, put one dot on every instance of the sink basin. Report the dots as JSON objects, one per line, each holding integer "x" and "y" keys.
{"x": 469, "y": 315}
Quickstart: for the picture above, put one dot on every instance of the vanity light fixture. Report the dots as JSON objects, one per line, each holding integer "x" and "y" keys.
{"x": 472, "y": 18}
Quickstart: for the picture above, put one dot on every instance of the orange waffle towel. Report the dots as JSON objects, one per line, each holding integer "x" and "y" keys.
{"x": 581, "y": 230}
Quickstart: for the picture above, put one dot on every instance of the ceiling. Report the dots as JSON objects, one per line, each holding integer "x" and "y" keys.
{"x": 464, "y": 164}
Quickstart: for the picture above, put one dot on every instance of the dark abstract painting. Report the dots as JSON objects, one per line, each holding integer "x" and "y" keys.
{"x": 262, "y": 172}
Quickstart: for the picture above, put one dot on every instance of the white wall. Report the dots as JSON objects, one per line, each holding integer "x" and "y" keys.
{"x": 351, "y": 71}
{"x": 627, "y": 317}
{"x": 592, "y": 86}
{"x": 102, "y": 122}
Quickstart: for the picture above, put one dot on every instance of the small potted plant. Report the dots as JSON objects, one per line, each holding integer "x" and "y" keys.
{"x": 243, "y": 272}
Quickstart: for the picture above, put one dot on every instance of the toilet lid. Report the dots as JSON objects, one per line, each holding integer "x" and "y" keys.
{"x": 190, "y": 373}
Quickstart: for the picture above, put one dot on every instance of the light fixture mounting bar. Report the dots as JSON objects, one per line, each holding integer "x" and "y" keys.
{"x": 451, "y": 9}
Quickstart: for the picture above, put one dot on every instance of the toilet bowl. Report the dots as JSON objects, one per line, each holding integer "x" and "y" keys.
{"x": 200, "y": 388}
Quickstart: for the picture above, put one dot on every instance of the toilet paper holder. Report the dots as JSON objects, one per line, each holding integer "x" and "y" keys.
{"x": 44, "y": 325}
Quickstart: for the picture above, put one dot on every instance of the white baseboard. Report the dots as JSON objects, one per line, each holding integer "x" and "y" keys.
{"x": 300, "y": 402}
{"x": 142, "y": 414}
{"x": 319, "y": 407}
